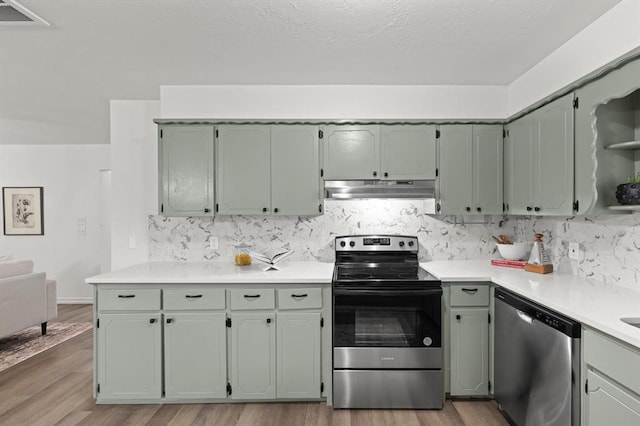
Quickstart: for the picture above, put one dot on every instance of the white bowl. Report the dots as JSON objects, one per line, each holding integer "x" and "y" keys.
{"x": 515, "y": 251}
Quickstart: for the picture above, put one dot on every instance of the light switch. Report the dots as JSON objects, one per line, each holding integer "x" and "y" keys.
{"x": 132, "y": 242}
{"x": 213, "y": 243}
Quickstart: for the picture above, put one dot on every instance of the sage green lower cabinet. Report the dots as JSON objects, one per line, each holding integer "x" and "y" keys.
{"x": 129, "y": 356}
{"x": 195, "y": 355}
{"x": 467, "y": 338}
{"x": 612, "y": 381}
{"x": 298, "y": 360}
{"x": 253, "y": 355}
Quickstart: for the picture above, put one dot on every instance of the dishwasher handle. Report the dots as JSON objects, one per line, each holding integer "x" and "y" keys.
{"x": 524, "y": 317}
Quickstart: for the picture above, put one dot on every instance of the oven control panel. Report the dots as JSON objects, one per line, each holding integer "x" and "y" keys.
{"x": 377, "y": 243}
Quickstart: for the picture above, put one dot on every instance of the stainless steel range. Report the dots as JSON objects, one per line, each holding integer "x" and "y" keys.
{"x": 387, "y": 333}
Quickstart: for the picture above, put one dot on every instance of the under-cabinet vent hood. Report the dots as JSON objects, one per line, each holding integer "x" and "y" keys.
{"x": 408, "y": 189}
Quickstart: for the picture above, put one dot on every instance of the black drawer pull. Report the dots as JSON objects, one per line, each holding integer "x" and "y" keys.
{"x": 193, "y": 296}
{"x": 126, "y": 296}
{"x": 152, "y": 320}
{"x": 299, "y": 296}
{"x": 458, "y": 317}
{"x": 251, "y": 296}
{"x": 169, "y": 320}
{"x": 470, "y": 290}
{"x": 268, "y": 320}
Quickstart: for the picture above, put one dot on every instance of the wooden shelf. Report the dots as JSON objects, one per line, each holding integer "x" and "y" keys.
{"x": 631, "y": 145}
{"x": 631, "y": 208}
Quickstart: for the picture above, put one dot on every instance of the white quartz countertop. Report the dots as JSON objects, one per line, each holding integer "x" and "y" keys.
{"x": 592, "y": 303}
{"x": 217, "y": 273}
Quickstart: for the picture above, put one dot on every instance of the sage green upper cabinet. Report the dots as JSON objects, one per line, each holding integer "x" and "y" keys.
{"x": 295, "y": 170}
{"x": 408, "y": 152}
{"x": 243, "y": 181}
{"x": 471, "y": 171}
{"x": 186, "y": 169}
{"x": 541, "y": 148}
{"x": 351, "y": 152}
{"x": 266, "y": 169}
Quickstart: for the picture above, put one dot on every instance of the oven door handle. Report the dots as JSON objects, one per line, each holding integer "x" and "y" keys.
{"x": 437, "y": 291}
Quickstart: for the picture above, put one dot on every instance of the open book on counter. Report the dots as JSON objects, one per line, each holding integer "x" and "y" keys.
{"x": 271, "y": 257}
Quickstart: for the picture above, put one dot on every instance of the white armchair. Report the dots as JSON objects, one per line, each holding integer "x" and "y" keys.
{"x": 26, "y": 298}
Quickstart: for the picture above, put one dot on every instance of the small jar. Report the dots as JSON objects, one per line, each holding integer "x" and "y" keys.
{"x": 242, "y": 257}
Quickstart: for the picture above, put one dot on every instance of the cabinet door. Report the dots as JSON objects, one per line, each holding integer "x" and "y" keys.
{"x": 243, "y": 166}
{"x": 129, "y": 356}
{"x": 352, "y": 152}
{"x": 455, "y": 169}
{"x": 553, "y": 186}
{"x": 408, "y": 152}
{"x": 519, "y": 167}
{"x": 469, "y": 351}
{"x": 298, "y": 355}
{"x": 609, "y": 404}
{"x": 253, "y": 355}
{"x": 195, "y": 355}
{"x": 295, "y": 170}
{"x": 487, "y": 169}
{"x": 186, "y": 155}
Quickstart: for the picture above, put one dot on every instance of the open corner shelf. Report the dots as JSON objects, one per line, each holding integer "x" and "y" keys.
{"x": 634, "y": 208}
{"x": 631, "y": 145}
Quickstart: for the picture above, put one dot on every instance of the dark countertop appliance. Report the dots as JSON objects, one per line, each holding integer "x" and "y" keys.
{"x": 387, "y": 326}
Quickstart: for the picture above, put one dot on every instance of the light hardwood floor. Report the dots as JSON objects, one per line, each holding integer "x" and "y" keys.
{"x": 55, "y": 388}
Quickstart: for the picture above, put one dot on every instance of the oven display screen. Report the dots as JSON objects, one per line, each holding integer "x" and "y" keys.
{"x": 377, "y": 241}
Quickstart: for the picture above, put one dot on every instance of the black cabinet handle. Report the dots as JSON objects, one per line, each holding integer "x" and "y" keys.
{"x": 268, "y": 320}
{"x": 386, "y": 174}
{"x": 468, "y": 209}
{"x": 152, "y": 320}
{"x": 126, "y": 296}
{"x": 275, "y": 210}
{"x": 169, "y": 320}
{"x": 479, "y": 209}
{"x": 264, "y": 209}
{"x": 537, "y": 209}
{"x": 470, "y": 290}
{"x": 299, "y": 296}
{"x": 251, "y": 296}
{"x": 529, "y": 209}
{"x": 193, "y": 296}
{"x": 375, "y": 174}
{"x": 207, "y": 210}
{"x": 458, "y": 317}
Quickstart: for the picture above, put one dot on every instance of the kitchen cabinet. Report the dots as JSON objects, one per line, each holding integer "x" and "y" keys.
{"x": 539, "y": 169}
{"x": 612, "y": 383}
{"x": 387, "y": 152}
{"x": 186, "y": 157}
{"x": 470, "y": 169}
{"x": 264, "y": 169}
{"x": 128, "y": 344}
{"x": 468, "y": 307}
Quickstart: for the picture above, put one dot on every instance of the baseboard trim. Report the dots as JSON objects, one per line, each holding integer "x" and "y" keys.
{"x": 75, "y": 301}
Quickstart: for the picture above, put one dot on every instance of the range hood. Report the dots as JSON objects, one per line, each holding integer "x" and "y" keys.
{"x": 353, "y": 189}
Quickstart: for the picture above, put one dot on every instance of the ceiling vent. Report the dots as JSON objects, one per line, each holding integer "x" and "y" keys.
{"x": 13, "y": 13}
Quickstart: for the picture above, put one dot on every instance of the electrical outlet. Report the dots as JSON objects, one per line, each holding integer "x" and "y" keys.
{"x": 574, "y": 251}
{"x": 132, "y": 242}
{"x": 213, "y": 243}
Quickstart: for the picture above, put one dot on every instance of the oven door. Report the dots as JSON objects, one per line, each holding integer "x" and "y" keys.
{"x": 391, "y": 327}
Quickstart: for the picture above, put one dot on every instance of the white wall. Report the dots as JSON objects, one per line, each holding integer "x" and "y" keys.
{"x": 134, "y": 179}
{"x": 609, "y": 37}
{"x": 334, "y": 102}
{"x": 70, "y": 175}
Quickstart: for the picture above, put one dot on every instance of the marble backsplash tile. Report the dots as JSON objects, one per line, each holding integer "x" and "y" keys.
{"x": 610, "y": 245}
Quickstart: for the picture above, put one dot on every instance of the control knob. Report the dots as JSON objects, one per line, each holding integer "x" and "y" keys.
{"x": 401, "y": 243}
{"x": 410, "y": 243}
{"x": 352, "y": 243}
{"x": 342, "y": 244}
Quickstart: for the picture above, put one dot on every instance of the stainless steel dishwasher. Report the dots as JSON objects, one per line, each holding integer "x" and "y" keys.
{"x": 537, "y": 363}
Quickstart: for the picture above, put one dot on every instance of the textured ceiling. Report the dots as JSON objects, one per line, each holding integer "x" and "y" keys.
{"x": 125, "y": 49}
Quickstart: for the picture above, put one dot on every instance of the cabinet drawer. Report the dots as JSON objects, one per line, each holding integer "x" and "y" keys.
{"x": 614, "y": 359}
{"x": 194, "y": 299}
{"x": 129, "y": 300}
{"x": 299, "y": 298}
{"x": 469, "y": 295}
{"x": 252, "y": 299}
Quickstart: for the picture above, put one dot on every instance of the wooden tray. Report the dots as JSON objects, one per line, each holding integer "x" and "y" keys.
{"x": 540, "y": 269}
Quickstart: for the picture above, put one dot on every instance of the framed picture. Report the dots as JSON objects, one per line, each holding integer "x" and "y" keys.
{"x": 23, "y": 210}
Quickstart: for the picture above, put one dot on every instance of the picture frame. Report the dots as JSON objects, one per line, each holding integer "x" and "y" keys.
{"x": 23, "y": 210}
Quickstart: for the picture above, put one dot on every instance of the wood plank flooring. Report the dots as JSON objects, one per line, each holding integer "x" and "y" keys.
{"x": 55, "y": 388}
